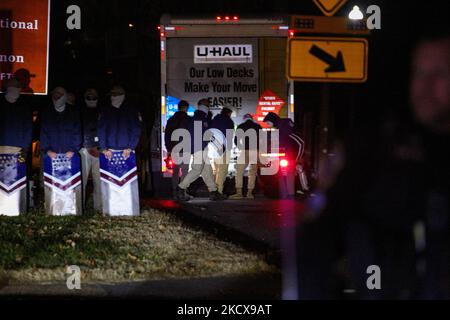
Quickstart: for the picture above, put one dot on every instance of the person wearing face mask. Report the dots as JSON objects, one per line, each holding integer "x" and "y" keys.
{"x": 89, "y": 151}
{"x": 60, "y": 142}
{"x": 15, "y": 141}
{"x": 389, "y": 205}
{"x": 119, "y": 130}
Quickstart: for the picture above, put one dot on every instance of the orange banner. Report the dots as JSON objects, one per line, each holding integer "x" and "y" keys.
{"x": 24, "y": 41}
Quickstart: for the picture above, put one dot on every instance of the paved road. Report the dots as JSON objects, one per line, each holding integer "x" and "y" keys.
{"x": 260, "y": 220}
{"x": 257, "y": 286}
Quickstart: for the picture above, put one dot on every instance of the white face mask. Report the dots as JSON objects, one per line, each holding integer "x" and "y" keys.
{"x": 91, "y": 103}
{"x": 116, "y": 101}
{"x": 12, "y": 94}
{"x": 60, "y": 104}
{"x": 203, "y": 108}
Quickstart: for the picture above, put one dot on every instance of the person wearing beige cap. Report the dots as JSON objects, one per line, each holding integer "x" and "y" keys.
{"x": 90, "y": 148}
{"x": 15, "y": 141}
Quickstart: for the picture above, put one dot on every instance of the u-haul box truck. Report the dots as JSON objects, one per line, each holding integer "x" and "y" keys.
{"x": 233, "y": 62}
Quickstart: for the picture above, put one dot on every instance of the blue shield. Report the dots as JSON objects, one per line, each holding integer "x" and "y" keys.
{"x": 119, "y": 184}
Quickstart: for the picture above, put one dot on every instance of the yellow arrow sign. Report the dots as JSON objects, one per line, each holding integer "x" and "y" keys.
{"x": 329, "y": 7}
{"x": 325, "y": 59}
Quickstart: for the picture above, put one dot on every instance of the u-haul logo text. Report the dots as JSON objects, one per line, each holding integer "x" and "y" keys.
{"x": 224, "y": 53}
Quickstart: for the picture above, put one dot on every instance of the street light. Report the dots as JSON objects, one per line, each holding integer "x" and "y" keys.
{"x": 356, "y": 14}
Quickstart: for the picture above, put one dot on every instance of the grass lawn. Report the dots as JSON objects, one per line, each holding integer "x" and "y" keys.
{"x": 155, "y": 245}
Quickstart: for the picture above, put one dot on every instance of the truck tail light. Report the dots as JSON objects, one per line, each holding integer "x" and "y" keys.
{"x": 169, "y": 163}
{"x": 284, "y": 163}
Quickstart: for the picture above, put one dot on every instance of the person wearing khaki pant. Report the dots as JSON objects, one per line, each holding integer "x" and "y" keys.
{"x": 221, "y": 165}
{"x": 224, "y": 123}
{"x": 90, "y": 164}
{"x": 246, "y": 159}
{"x": 247, "y": 142}
{"x": 90, "y": 153}
{"x": 201, "y": 166}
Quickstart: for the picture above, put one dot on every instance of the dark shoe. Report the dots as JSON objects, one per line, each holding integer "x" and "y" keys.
{"x": 181, "y": 195}
{"x": 216, "y": 196}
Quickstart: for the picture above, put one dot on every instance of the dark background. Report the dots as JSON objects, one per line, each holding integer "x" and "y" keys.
{"x": 107, "y": 50}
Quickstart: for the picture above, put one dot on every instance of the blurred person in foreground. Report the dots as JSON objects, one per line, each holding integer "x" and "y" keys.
{"x": 394, "y": 216}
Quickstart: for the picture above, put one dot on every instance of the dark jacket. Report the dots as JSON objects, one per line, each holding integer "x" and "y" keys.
{"x": 60, "y": 131}
{"x": 202, "y": 118}
{"x": 180, "y": 120}
{"x": 290, "y": 142}
{"x": 223, "y": 123}
{"x": 89, "y": 118}
{"x": 15, "y": 123}
{"x": 244, "y": 144}
{"x": 119, "y": 128}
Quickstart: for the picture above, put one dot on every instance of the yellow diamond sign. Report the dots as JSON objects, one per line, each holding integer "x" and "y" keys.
{"x": 329, "y": 7}
{"x": 327, "y": 59}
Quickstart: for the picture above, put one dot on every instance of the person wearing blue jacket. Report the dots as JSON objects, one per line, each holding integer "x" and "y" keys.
{"x": 223, "y": 122}
{"x": 201, "y": 165}
{"x": 60, "y": 143}
{"x": 15, "y": 140}
{"x": 119, "y": 130}
{"x": 119, "y": 126}
{"x": 60, "y": 127}
{"x": 15, "y": 119}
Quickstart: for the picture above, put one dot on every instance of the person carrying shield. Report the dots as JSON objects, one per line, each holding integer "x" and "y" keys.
{"x": 60, "y": 142}
{"x": 119, "y": 130}
{"x": 15, "y": 140}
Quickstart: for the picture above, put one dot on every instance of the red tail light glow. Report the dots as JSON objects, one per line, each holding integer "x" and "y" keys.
{"x": 284, "y": 163}
{"x": 169, "y": 163}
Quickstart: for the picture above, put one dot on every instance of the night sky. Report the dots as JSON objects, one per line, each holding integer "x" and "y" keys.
{"x": 106, "y": 50}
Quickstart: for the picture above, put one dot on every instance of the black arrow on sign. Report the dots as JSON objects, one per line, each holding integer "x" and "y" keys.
{"x": 336, "y": 64}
